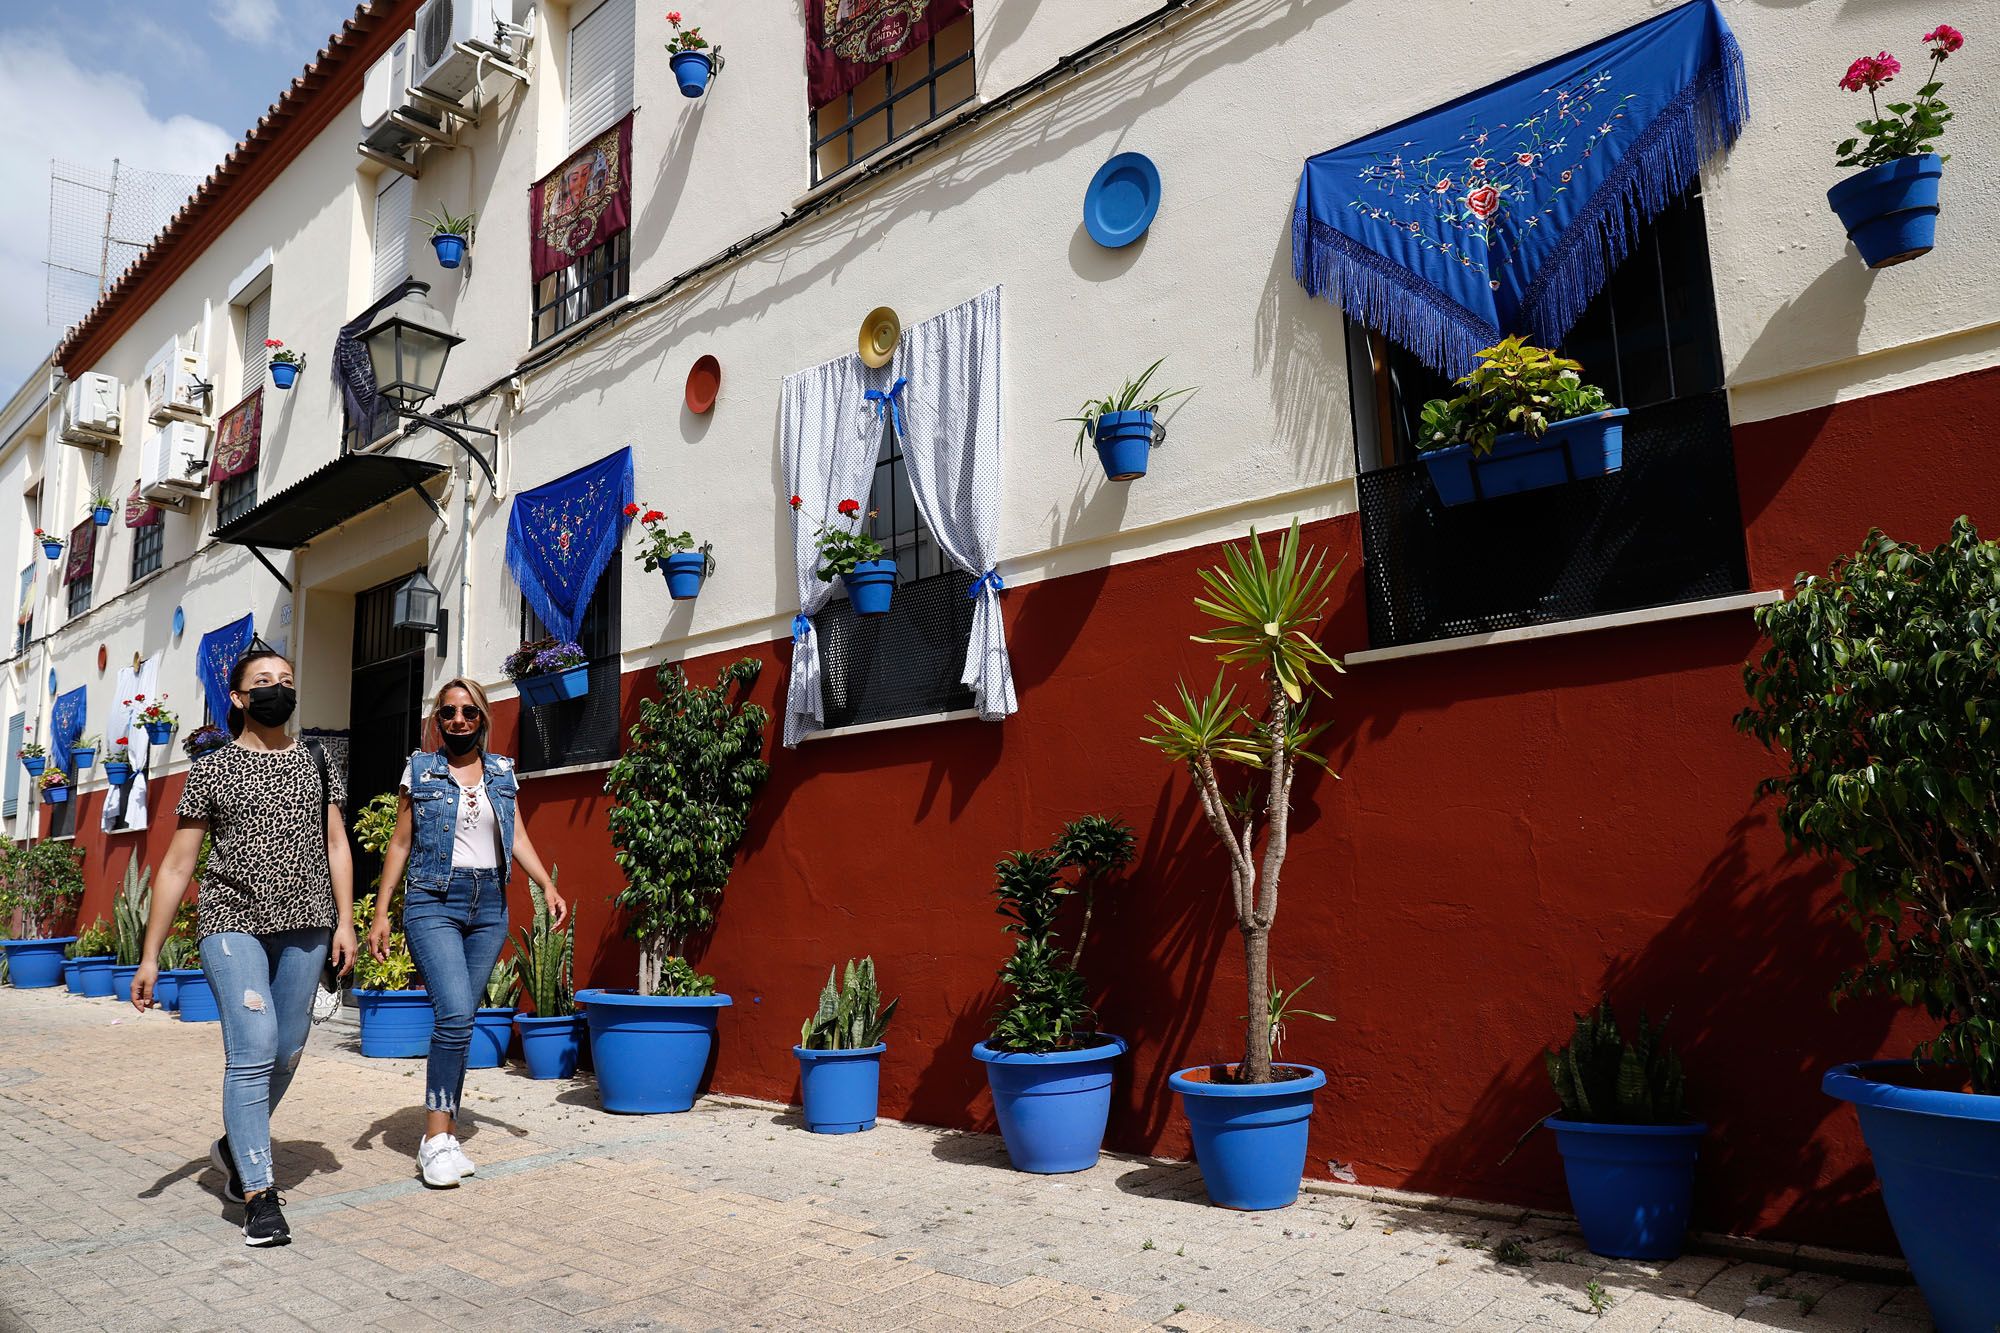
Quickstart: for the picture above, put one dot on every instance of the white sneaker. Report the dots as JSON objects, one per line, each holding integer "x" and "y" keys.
{"x": 435, "y": 1163}
{"x": 458, "y": 1157}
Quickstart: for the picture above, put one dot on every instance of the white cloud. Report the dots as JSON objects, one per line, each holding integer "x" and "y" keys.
{"x": 255, "y": 22}
{"x": 51, "y": 109}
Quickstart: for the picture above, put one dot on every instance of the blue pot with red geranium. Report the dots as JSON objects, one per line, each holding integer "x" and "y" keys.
{"x": 285, "y": 363}
{"x": 847, "y": 551}
{"x": 693, "y": 60}
{"x": 674, "y": 554}
{"x": 1890, "y": 206}
{"x": 548, "y": 671}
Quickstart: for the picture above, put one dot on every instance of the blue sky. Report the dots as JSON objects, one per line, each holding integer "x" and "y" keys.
{"x": 161, "y": 86}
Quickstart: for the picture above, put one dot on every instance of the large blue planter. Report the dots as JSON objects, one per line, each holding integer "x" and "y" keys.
{"x": 197, "y": 998}
{"x": 839, "y": 1089}
{"x": 34, "y": 763}
{"x": 451, "y": 253}
{"x": 650, "y": 1050}
{"x": 492, "y": 1034}
{"x": 548, "y": 1045}
{"x": 1568, "y": 451}
{"x": 68, "y": 975}
{"x": 1890, "y": 212}
{"x": 117, "y": 772}
{"x": 395, "y": 1024}
{"x": 685, "y": 571}
{"x": 691, "y": 71}
{"x": 121, "y": 981}
{"x": 1632, "y": 1186}
{"x": 555, "y": 686}
{"x": 870, "y": 586}
{"x": 284, "y": 373}
{"x": 1250, "y": 1138}
{"x": 1937, "y": 1155}
{"x": 36, "y": 964}
{"x": 93, "y": 975}
{"x": 1124, "y": 443}
{"x": 1052, "y": 1107}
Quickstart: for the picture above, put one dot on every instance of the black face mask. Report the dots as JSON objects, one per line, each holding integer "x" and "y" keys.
{"x": 460, "y": 745}
{"x": 272, "y": 705}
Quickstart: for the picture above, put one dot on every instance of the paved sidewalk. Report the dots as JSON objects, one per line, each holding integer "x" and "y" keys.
{"x": 729, "y": 1217}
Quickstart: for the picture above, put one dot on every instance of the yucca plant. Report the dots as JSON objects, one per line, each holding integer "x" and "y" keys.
{"x": 130, "y": 911}
{"x": 503, "y": 984}
{"x": 1265, "y": 618}
{"x": 546, "y": 956}
{"x": 1605, "y": 1079}
{"x": 850, "y": 1016}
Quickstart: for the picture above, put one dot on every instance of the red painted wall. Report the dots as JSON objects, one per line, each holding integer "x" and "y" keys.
{"x": 1514, "y": 830}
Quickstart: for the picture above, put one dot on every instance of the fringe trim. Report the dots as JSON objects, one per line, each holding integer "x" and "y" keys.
{"x": 1385, "y": 296}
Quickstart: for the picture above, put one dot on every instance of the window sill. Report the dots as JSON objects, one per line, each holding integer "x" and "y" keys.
{"x": 595, "y": 766}
{"x": 894, "y": 724}
{"x": 1741, "y": 601}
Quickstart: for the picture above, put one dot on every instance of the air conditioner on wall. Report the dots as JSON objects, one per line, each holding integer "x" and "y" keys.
{"x": 493, "y": 26}
{"x": 173, "y": 462}
{"x": 91, "y": 411}
{"x": 177, "y": 384}
{"x": 385, "y": 89}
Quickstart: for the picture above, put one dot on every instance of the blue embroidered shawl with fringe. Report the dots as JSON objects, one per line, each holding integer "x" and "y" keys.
{"x": 215, "y": 658}
{"x": 1507, "y": 210}
{"x": 560, "y": 536}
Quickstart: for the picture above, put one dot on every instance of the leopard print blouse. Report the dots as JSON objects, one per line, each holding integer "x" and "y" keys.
{"x": 267, "y": 867}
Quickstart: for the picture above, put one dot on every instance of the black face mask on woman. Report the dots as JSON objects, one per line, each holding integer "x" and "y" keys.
{"x": 460, "y": 745}
{"x": 272, "y": 705}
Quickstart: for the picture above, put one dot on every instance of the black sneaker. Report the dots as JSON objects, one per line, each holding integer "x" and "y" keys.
{"x": 265, "y": 1222}
{"x": 232, "y": 1184}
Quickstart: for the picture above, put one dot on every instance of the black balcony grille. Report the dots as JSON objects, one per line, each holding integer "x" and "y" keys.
{"x": 904, "y": 664}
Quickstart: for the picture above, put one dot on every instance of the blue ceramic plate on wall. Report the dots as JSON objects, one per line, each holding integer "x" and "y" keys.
{"x": 1122, "y": 199}
{"x": 52, "y": 680}
{"x": 180, "y": 620}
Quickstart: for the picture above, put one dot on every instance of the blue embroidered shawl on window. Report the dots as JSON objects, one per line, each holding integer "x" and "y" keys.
{"x": 561, "y": 536}
{"x": 65, "y": 728}
{"x": 1507, "y": 210}
{"x": 212, "y": 661}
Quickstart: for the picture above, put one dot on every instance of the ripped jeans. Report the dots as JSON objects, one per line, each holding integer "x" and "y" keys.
{"x": 455, "y": 935}
{"x": 264, "y": 991}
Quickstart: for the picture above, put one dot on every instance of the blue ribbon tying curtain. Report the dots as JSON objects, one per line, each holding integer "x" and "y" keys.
{"x": 1507, "y": 210}
{"x": 561, "y": 536}
{"x": 217, "y": 653}
{"x": 801, "y": 626}
{"x": 889, "y": 403}
{"x": 990, "y": 579}
{"x": 65, "y": 726}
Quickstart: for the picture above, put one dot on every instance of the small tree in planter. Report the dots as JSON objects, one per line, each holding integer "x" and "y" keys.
{"x": 672, "y": 553}
{"x": 1877, "y": 691}
{"x": 1124, "y": 424}
{"x": 43, "y": 882}
{"x": 1249, "y": 1121}
{"x": 1889, "y": 207}
{"x": 840, "y": 1052}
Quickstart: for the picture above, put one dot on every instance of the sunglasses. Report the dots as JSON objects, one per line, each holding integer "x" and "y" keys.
{"x": 452, "y": 712}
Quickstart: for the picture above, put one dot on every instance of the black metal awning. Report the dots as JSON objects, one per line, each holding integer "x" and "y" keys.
{"x": 349, "y": 486}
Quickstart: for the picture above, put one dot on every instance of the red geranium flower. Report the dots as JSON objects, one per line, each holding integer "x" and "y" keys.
{"x": 651, "y": 516}
{"x": 631, "y": 510}
{"x": 850, "y": 507}
{"x": 1870, "y": 72}
{"x": 1948, "y": 38}
{"x": 272, "y": 342}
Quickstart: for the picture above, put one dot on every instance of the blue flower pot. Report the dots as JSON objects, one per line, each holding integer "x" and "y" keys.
{"x": 1250, "y": 1138}
{"x": 555, "y": 686}
{"x": 451, "y": 253}
{"x": 167, "y": 989}
{"x": 159, "y": 733}
{"x": 492, "y": 1034}
{"x": 1124, "y": 443}
{"x": 36, "y": 964}
{"x": 1890, "y": 211}
{"x": 548, "y": 1045}
{"x": 34, "y": 763}
{"x": 197, "y": 998}
{"x": 117, "y": 772}
{"x": 54, "y": 795}
{"x": 84, "y": 757}
{"x": 839, "y": 1089}
{"x": 53, "y": 550}
{"x": 121, "y": 981}
{"x": 685, "y": 571}
{"x": 1632, "y": 1186}
{"x": 283, "y": 373}
{"x": 1937, "y": 1154}
{"x": 68, "y": 975}
{"x": 1568, "y": 451}
{"x": 692, "y": 70}
{"x": 870, "y": 586}
{"x": 650, "y": 1050}
{"x": 395, "y": 1024}
{"x": 93, "y": 975}
{"x": 1052, "y": 1107}
{"x": 101, "y": 515}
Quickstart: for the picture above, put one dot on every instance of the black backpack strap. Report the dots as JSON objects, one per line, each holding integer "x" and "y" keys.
{"x": 325, "y": 781}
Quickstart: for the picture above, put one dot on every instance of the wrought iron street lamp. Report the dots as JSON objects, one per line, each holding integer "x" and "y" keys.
{"x": 419, "y": 606}
{"x": 408, "y": 345}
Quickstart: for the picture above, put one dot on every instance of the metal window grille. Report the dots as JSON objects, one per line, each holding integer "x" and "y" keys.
{"x": 904, "y": 95}
{"x": 148, "y": 547}
{"x": 79, "y": 595}
{"x": 236, "y": 497}
{"x": 591, "y": 729}
{"x": 576, "y": 291}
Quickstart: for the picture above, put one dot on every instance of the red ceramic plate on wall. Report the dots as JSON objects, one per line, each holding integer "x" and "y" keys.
{"x": 704, "y": 382}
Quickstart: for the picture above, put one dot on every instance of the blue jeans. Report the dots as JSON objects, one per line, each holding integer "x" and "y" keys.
{"x": 264, "y": 991}
{"x": 455, "y": 936}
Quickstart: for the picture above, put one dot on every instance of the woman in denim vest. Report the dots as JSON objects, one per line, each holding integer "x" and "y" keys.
{"x": 455, "y": 838}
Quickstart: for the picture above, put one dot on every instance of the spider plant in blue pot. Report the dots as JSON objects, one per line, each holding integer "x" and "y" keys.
{"x": 450, "y": 236}
{"x": 672, "y": 553}
{"x": 1125, "y": 425}
{"x": 840, "y": 1052}
{"x": 1526, "y": 420}
{"x": 1890, "y": 206}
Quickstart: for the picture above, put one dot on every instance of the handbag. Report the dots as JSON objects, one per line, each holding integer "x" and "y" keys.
{"x": 326, "y": 995}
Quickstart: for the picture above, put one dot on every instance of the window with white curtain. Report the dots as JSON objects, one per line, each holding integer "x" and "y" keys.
{"x": 600, "y": 69}
{"x": 393, "y": 202}
{"x": 256, "y": 328}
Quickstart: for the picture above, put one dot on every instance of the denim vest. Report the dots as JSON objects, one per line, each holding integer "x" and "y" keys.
{"x": 434, "y": 796}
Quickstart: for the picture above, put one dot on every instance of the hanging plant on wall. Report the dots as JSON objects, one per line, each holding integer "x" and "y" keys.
{"x": 1890, "y": 206}
{"x": 694, "y": 61}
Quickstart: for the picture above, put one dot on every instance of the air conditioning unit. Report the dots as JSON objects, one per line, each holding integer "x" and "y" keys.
{"x": 173, "y": 462}
{"x": 177, "y": 385}
{"x": 493, "y": 26}
{"x": 92, "y": 410}
{"x": 385, "y": 88}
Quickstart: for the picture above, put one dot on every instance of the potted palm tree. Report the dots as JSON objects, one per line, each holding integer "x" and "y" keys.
{"x": 840, "y": 1052}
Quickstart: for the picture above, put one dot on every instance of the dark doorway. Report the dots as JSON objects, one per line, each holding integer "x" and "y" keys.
{"x": 385, "y": 711}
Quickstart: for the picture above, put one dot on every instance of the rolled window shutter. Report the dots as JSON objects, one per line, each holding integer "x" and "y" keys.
{"x": 256, "y": 328}
{"x": 392, "y": 233}
{"x": 16, "y": 728}
{"x": 600, "y": 70}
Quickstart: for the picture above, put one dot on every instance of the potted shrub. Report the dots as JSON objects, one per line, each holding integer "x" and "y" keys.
{"x": 42, "y": 883}
{"x": 493, "y": 1022}
{"x": 672, "y": 553}
{"x": 840, "y": 1052}
{"x": 1250, "y": 1120}
{"x": 158, "y": 719}
{"x": 395, "y": 1011}
{"x": 1627, "y": 1142}
{"x": 285, "y": 363}
{"x": 450, "y": 235}
{"x": 547, "y": 959}
{"x": 55, "y": 787}
{"x": 1526, "y": 420}
{"x": 33, "y": 758}
{"x": 96, "y": 952}
{"x": 1876, "y": 692}
{"x": 205, "y": 739}
{"x": 100, "y": 509}
{"x": 693, "y": 60}
{"x": 681, "y": 797}
{"x": 84, "y": 752}
{"x": 52, "y": 545}
{"x": 863, "y": 566}
{"x": 1048, "y": 1065}
{"x": 548, "y": 670}
{"x": 1125, "y": 425}
{"x": 118, "y": 763}
{"x": 1890, "y": 205}
{"x": 129, "y": 913}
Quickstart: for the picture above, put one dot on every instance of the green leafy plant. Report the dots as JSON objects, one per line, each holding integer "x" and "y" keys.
{"x": 282, "y": 355}
{"x": 120, "y": 751}
{"x": 443, "y": 222}
{"x": 375, "y": 824}
{"x": 1045, "y": 1009}
{"x": 97, "y": 941}
{"x": 43, "y": 881}
{"x": 1515, "y": 387}
{"x": 177, "y": 952}
{"x": 1605, "y": 1079}
{"x": 1877, "y": 691}
{"x": 1910, "y": 127}
{"x": 395, "y": 972}
{"x": 679, "y": 979}
{"x": 681, "y": 798}
{"x": 1265, "y": 616}
{"x": 1135, "y": 396}
{"x": 131, "y": 909}
{"x": 547, "y": 958}
{"x": 32, "y": 750}
{"x": 503, "y": 984}
{"x": 1285, "y": 1008}
{"x": 850, "y": 1016}
{"x": 689, "y": 39}
{"x": 103, "y": 502}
